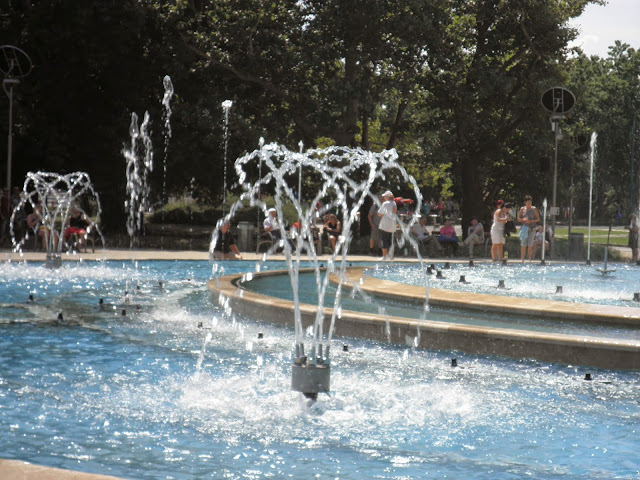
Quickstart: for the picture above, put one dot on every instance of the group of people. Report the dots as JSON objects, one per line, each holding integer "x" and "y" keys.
{"x": 76, "y": 228}
{"x": 531, "y": 234}
{"x": 383, "y": 221}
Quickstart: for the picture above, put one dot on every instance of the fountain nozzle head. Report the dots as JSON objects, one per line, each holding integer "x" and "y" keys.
{"x": 559, "y": 289}
{"x": 439, "y": 274}
{"x": 60, "y": 317}
{"x": 260, "y": 335}
{"x": 199, "y": 324}
{"x": 587, "y": 377}
{"x": 454, "y": 362}
{"x": 30, "y": 298}
{"x": 501, "y": 284}
{"x": 345, "y": 347}
{"x": 124, "y": 312}
{"x": 447, "y": 265}
{"x": 636, "y": 297}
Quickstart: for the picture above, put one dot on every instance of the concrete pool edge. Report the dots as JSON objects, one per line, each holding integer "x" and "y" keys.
{"x": 20, "y": 470}
{"x": 552, "y": 309}
{"x": 572, "y": 350}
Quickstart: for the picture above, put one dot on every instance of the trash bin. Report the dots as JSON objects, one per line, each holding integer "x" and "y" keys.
{"x": 576, "y": 246}
{"x": 245, "y": 236}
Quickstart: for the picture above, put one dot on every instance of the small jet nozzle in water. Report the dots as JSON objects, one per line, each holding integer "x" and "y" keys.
{"x": 30, "y": 298}
{"x": 60, "y": 317}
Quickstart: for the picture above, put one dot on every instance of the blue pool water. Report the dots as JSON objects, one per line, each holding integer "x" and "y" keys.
{"x": 368, "y": 304}
{"x": 104, "y": 393}
{"x": 581, "y": 283}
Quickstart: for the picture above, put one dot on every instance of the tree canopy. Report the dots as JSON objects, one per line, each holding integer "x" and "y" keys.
{"x": 453, "y": 85}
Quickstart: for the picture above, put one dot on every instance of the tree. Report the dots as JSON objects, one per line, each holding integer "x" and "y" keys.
{"x": 496, "y": 60}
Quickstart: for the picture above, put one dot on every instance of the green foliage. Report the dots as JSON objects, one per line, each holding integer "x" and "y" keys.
{"x": 452, "y": 85}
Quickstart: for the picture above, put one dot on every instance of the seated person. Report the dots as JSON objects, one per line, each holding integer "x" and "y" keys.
{"x": 35, "y": 222}
{"x": 421, "y": 233}
{"x": 296, "y": 228}
{"x": 448, "y": 237}
{"x": 332, "y": 229}
{"x": 78, "y": 224}
{"x": 272, "y": 226}
{"x": 475, "y": 235}
{"x": 538, "y": 239}
{"x": 226, "y": 248}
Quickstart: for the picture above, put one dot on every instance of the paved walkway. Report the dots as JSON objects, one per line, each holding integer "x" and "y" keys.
{"x": 126, "y": 254}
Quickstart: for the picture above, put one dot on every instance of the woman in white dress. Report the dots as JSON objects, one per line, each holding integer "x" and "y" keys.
{"x": 500, "y": 217}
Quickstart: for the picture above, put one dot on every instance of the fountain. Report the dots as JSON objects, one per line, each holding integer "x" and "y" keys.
{"x": 51, "y": 197}
{"x": 139, "y": 164}
{"x": 137, "y": 397}
{"x": 139, "y": 157}
{"x": 345, "y": 178}
{"x": 592, "y": 155}
{"x": 166, "y": 116}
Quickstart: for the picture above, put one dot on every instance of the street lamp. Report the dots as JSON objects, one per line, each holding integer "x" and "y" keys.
{"x": 14, "y": 64}
{"x": 632, "y": 160}
{"x": 558, "y": 101}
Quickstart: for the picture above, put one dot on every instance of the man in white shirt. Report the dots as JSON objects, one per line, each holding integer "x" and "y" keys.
{"x": 387, "y": 214}
{"x": 271, "y": 225}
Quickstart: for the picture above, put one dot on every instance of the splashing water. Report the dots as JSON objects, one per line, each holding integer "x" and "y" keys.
{"x": 344, "y": 179}
{"x": 52, "y": 196}
{"x": 166, "y": 116}
{"x": 139, "y": 157}
{"x": 226, "y": 107}
{"x": 592, "y": 156}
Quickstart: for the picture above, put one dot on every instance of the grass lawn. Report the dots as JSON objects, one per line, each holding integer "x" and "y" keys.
{"x": 619, "y": 236}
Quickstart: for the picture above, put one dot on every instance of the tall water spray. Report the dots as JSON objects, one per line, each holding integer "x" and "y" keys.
{"x": 592, "y": 156}
{"x": 139, "y": 157}
{"x": 226, "y": 108}
{"x": 52, "y": 197}
{"x": 139, "y": 164}
{"x": 344, "y": 178}
{"x": 166, "y": 117}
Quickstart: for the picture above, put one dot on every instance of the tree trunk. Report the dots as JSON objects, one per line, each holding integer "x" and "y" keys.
{"x": 472, "y": 204}
{"x": 350, "y": 121}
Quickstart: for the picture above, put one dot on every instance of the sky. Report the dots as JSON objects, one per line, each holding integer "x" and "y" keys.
{"x": 600, "y": 26}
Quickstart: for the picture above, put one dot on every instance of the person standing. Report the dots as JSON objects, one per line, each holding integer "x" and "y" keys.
{"x": 475, "y": 235}
{"x": 529, "y": 217}
{"x": 500, "y": 217}
{"x": 387, "y": 214}
{"x": 374, "y": 223}
{"x": 633, "y": 236}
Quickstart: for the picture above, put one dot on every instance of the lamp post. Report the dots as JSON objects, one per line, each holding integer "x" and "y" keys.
{"x": 558, "y": 101}
{"x": 632, "y": 161}
{"x": 14, "y": 64}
